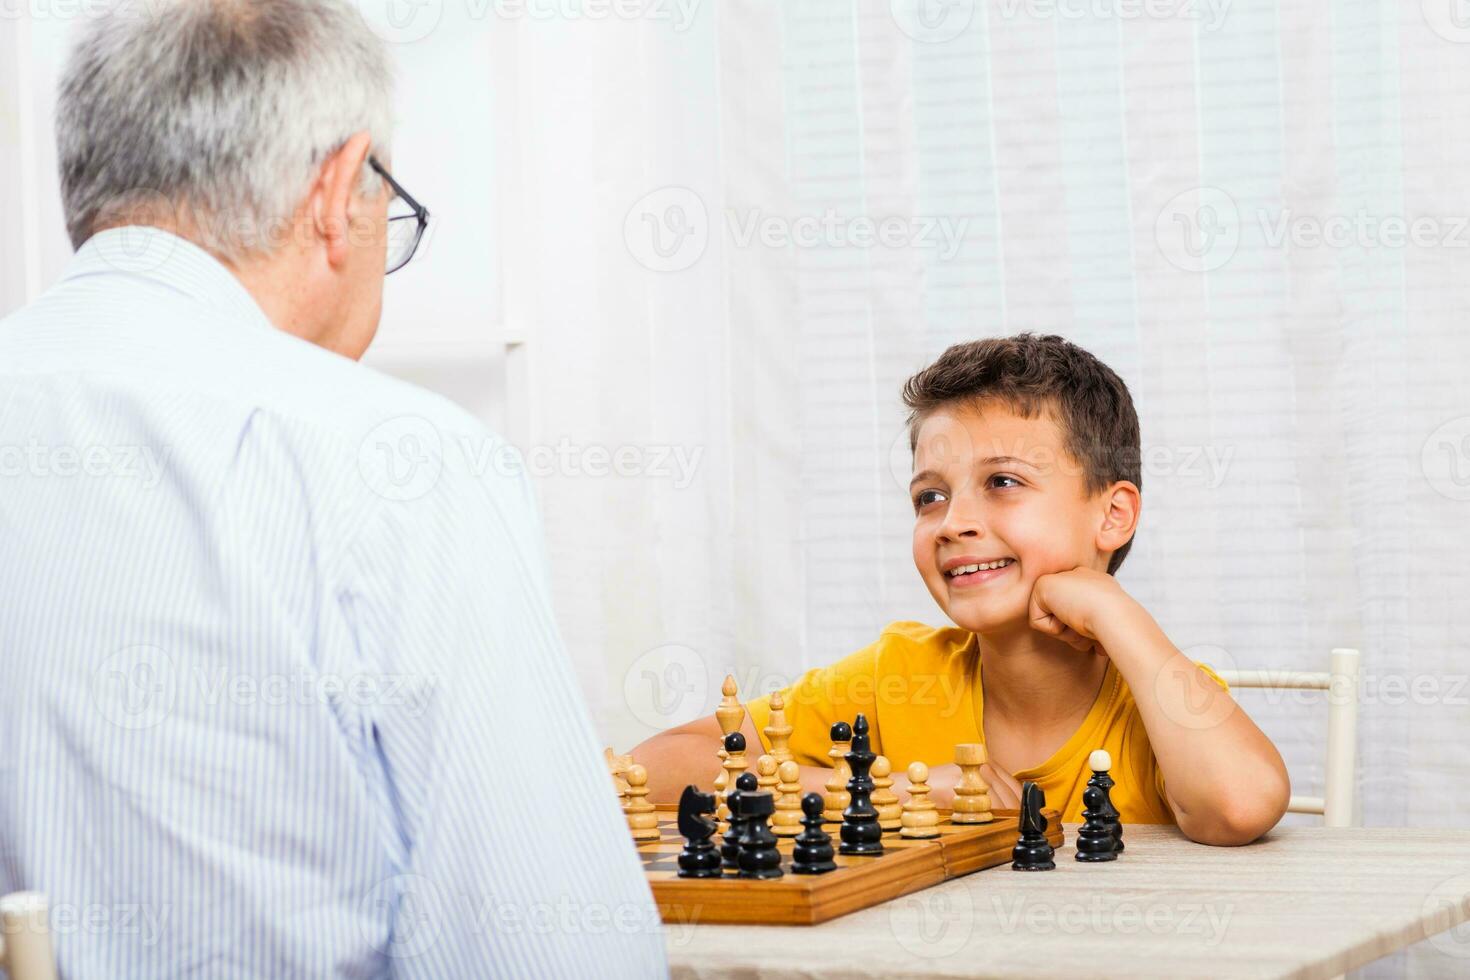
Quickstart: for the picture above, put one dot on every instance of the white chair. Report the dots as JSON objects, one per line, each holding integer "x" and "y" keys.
{"x": 25, "y": 937}
{"x": 1341, "y": 683}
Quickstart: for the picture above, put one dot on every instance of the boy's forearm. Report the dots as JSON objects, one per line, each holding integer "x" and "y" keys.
{"x": 1224, "y": 778}
{"x": 674, "y": 761}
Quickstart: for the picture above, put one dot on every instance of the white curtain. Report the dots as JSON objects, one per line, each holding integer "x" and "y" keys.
{"x": 1256, "y": 214}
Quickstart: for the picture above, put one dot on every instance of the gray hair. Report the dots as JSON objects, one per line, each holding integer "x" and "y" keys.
{"x": 214, "y": 115}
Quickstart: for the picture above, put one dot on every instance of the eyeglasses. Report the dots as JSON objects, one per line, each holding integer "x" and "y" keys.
{"x": 404, "y": 230}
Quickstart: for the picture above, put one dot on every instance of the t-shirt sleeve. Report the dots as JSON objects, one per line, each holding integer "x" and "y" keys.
{"x": 821, "y": 697}
{"x": 1159, "y": 772}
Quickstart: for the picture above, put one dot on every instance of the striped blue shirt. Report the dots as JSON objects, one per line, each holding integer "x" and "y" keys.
{"x": 282, "y": 694}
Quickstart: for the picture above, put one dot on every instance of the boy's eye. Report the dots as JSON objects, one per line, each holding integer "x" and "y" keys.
{"x": 924, "y": 498}
{"x": 1002, "y": 480}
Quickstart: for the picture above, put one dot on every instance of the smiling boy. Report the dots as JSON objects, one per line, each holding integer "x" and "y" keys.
{"x": 1026, "y": 499}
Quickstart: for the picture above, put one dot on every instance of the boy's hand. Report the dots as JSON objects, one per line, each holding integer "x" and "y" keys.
{"x": 1068, "y": 605}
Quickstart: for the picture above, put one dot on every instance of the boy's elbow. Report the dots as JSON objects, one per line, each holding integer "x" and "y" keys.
{"x": 1239, "y": 819}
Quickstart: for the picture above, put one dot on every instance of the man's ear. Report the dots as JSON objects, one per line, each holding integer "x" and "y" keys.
{"x": 331, "y": 195}
{"x": 1121, "y": 505}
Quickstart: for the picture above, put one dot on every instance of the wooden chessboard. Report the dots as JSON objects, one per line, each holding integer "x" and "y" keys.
{"x": 905, "y": 866}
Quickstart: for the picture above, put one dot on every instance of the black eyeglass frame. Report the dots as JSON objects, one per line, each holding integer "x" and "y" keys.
{"x": 420, "y": 213}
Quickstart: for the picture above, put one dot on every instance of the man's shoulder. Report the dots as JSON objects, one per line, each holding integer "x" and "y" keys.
{"x": 363, "y": 402}
{"x": 172, "y": 346}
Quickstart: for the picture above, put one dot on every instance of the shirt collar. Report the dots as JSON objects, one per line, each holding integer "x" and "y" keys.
{"x": 163, "y": 257}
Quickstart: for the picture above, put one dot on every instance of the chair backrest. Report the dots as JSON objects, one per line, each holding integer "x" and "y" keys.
{"x": 1341, "y": 684}
{"x": 25, "y": 937}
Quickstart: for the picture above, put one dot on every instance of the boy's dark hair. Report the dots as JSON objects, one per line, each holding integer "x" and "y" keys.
{"x": 1031, "y": 374}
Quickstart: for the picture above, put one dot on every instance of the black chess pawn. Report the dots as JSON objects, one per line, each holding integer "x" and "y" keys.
{"x": 735, "y": 800}
{"x": 860, "y": 831}
{"x": 813, "y": 852}
{"x": 1033, "y": 852}
{"x": 699, "y": 859}
{"x": 1095, "y": 841}
{"x": 1100, "y": 762}
{"x": 758, "y": 855}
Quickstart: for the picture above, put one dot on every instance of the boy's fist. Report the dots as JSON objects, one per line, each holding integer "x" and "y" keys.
{"x": 1067, "y": 605}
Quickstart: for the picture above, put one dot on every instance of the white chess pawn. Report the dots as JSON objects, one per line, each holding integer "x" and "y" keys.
{"x": 971, "y": 793}
{"x": 765, "y": 773}
{"x": 920, "y": 817}
{"x": 787, "y": 820}
{"x": 642, "y": 815}
{"x": 885, "y": 800}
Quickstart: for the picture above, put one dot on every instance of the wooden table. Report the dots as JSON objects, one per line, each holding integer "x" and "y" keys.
{"x": 1301, "y": 902}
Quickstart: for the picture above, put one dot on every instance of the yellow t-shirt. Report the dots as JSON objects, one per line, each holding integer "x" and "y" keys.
{"x": 920, "y": 689}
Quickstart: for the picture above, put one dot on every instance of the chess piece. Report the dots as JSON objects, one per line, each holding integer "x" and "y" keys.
{"x": 885, "y": 800}
{"x": 734, "y": 765}
{"x": 787, "y": 821}
{"x": 730, "y": 714}
{"x": 778, "y": 731}
{"x": 812, "y": 854}
{"x": 860, "y": 831}
{"x": 1033, "y": 852}
{"x": 920, "y": 820}
{"x": 837, "y": 798}
{"x": 642, "y": 815}
{"x": 730, "y": 845}
{"x": 617, "y": 767}
{"x": 1095, "y": 841}
{"x": 971, "y": 793}
{"x": 1100, "y": 763}
{"x": 765, "y": 774}
{"x": 699, "y": 859}
{"x": 758, "y": 855}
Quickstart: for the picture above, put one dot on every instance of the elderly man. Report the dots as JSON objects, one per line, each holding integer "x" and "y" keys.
{"x": 282, "y": 692}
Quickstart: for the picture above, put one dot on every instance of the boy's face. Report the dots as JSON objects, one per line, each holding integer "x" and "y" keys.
{"x": 991, "y": 486}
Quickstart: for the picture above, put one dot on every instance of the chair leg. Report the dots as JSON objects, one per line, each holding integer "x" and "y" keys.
{"x": 1342, "y": 739}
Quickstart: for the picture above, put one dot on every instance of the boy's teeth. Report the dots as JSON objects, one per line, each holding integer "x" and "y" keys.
{"x": 966, "y": 569}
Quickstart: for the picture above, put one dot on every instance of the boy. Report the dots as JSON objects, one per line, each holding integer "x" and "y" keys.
{"x": 1026, "y": 498}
